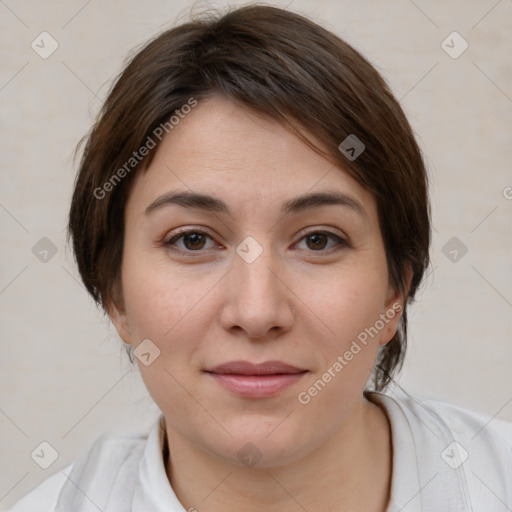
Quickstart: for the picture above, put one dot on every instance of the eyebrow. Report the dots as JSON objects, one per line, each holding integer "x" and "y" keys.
{"x": 187, "y": 199}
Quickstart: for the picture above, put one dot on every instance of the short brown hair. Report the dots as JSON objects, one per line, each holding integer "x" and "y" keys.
{"x": 296, "y": 72}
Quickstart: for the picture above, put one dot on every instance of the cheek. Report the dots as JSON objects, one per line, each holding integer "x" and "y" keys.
{"x": 347, "y": 304}
{"x": 346, "y": 355}
{"x": 157, "y": 300}
{"x": 161, "y": 308}
{"x": 165, "y": 309}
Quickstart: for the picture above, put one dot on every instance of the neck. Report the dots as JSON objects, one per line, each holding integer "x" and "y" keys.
{"x": 350, "y": 471}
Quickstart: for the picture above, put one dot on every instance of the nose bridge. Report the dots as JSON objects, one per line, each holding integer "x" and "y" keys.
{"x": 256, "y": 283}
{"x": 259, "y": 300}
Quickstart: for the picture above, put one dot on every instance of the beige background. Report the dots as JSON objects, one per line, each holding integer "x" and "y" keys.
{"x": 64, "y": 377}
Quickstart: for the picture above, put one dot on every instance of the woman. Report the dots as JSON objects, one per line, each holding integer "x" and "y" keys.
{"x": 251, "y": 211}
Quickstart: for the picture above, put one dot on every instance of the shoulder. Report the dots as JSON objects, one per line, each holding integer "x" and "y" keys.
{"x": 44, "y": 496}
{"x": 460, "y": 422}
{"x": 486, "y": 441}
{"x": 464, "y": 424}
{"x": 468, "y": 454}
{"x": 464, "y": 421}
{"x": 93, "y": 471}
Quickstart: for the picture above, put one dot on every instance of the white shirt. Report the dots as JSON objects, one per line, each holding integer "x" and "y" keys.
{"x": 445, "y": 458}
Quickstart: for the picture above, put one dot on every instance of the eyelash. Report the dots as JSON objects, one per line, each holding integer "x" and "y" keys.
{"x": 341, "y": 242}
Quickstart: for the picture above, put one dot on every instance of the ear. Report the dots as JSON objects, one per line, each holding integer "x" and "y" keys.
{"x": 394, "y": 307}
{"x": 119, "y": 318}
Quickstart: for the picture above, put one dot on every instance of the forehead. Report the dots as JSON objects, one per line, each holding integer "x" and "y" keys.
{"x": 250, "y": 160}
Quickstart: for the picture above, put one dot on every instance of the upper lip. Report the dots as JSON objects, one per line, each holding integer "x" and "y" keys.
{"x": 248, "y": 368}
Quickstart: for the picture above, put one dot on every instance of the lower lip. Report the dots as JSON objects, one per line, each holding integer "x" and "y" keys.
{"x": 257, "y": 386}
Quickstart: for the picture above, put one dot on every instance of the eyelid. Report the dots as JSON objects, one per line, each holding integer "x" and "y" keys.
{"x": 186, "y": 231}
{"x": 324, "y": 230}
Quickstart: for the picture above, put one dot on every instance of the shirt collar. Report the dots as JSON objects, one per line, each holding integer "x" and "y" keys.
{"x": 421, "y": 477}
{"x": 405, "y": 485}
{"x": 154, "y": 491}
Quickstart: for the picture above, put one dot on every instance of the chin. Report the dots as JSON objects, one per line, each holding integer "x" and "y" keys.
{"x": 263, "y": 442}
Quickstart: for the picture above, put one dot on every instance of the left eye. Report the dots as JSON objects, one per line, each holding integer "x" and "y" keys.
{"x": 194, "y": 241}
{"x": 318, "y": 240}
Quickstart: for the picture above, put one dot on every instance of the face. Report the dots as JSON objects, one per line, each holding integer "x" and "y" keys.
{"x": 252, "y": 302}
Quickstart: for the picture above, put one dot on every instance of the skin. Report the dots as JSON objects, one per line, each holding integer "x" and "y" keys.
{"x": 202, "y": 305}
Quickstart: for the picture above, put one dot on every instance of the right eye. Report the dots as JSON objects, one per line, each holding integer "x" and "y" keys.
{"x": 192, "y": 240}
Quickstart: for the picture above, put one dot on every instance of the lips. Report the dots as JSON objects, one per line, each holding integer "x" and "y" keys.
{"x": 248, "y": 368}
{"x": 250, "y": 380}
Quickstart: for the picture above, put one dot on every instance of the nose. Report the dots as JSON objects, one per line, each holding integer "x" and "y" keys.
{"x": 257, "y": 298}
